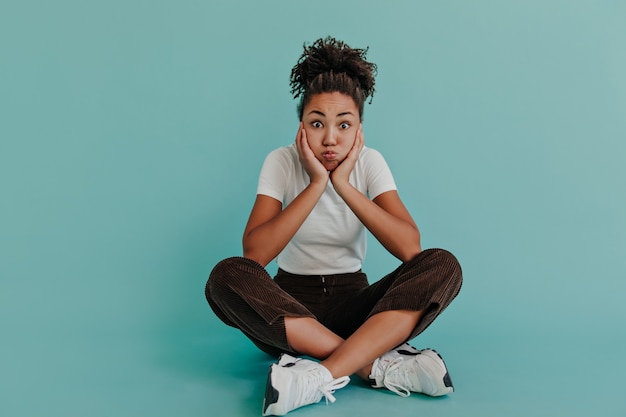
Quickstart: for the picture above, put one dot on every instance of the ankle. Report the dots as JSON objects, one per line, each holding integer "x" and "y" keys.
{"x": 329, "y": 367}
{"x": 365, "y": 373}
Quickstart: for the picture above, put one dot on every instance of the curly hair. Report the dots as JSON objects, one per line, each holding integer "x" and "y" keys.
{"x": 329, "y": 66}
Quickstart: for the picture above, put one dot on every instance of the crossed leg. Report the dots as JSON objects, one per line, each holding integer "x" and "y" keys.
{"x": 355, "y": 355}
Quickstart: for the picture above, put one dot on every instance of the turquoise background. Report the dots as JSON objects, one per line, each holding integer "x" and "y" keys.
{"x": 131, "y": 135}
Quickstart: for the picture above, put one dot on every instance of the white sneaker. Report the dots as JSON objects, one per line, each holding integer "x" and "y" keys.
{"x": 295, "y": 382}
{"x": 405, "y": 369}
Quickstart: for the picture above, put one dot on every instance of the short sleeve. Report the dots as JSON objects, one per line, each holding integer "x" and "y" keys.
{"x": 378, "y": 174}
{"x": 274, "y": 175}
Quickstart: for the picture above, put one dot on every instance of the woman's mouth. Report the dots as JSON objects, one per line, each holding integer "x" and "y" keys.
{"x": 329, "y": 155}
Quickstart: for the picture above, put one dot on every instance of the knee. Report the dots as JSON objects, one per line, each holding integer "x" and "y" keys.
{"x": 445, "y": 257}
{"x": 224, "y": 275}
{"x": 446, "y": 262}
{"x": 220, "y": 277}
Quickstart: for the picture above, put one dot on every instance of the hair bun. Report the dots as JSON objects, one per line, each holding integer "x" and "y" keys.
{"x": 329, "y": 55}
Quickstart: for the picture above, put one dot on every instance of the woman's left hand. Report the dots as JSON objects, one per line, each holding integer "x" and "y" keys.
{"x": 341, "y": 174}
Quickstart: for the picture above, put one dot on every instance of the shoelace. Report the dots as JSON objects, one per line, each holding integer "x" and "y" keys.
{"x": 312, "y": 384}
{"x": 400, "y": 386}
{"x": 329, "y": 389}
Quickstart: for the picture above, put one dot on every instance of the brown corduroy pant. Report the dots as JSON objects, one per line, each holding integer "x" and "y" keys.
{"x": 243, "y": 295}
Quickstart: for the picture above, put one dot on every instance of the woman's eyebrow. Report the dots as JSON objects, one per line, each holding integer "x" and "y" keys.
{"x": 345, "y": 113}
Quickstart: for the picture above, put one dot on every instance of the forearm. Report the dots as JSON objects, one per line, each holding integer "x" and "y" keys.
{"x": 267, "y": 240}
{"x": 399, "y": 236}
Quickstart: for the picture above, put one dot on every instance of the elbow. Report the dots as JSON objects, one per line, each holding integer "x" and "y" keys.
{"x": 407, "y": 255}
{"x": 256, "y": 257}
{"x": 410, "y": 251}
{"x": 257, "y": 252}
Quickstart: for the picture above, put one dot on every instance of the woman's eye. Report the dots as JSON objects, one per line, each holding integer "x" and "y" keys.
{"x": 344, "y": 125}
{"x": 316, "y": 124}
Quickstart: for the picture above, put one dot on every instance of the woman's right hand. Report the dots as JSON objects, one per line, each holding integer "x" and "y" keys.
{"x": 317, "y": 172}
{"x": 270, "y": 226}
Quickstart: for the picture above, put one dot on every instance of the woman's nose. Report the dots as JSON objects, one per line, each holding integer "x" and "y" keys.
{"x": 330, "y": 138}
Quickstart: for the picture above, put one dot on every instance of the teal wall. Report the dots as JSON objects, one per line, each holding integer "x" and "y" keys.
{"x": 132, "y": 132}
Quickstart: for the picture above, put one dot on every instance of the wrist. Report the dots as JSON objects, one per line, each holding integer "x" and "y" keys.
{"x": 341, "y": 185}
{"x": 319, "y": 183}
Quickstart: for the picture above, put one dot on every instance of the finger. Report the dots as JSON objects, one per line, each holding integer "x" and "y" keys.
{"x": 303, "y": 133}
{"x": 304, "y": 148}
{"x": 358, "y": 142}
{"x": 300, "y": 137}
{"x": 304, "y": 143}
{"x": 360, "y": 136}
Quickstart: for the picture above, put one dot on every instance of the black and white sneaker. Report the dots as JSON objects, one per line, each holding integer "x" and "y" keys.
{"x": 405, "y": 369}
{"x": 295, "y": 382}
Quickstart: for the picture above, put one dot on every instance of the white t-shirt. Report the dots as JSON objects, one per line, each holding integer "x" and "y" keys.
{"x": 332, "y": 239}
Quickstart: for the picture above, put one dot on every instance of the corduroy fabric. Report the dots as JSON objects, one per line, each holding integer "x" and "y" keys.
{"x": 243, "y": 295}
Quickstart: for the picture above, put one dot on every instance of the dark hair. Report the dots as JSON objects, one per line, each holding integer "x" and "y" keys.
{"x": 329, "y": 66}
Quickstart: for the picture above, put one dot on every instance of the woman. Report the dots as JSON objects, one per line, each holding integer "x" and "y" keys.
{"x": 314, "y": 201}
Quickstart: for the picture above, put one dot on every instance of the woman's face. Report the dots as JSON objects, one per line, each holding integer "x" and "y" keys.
{"x": 331, "y": 121}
